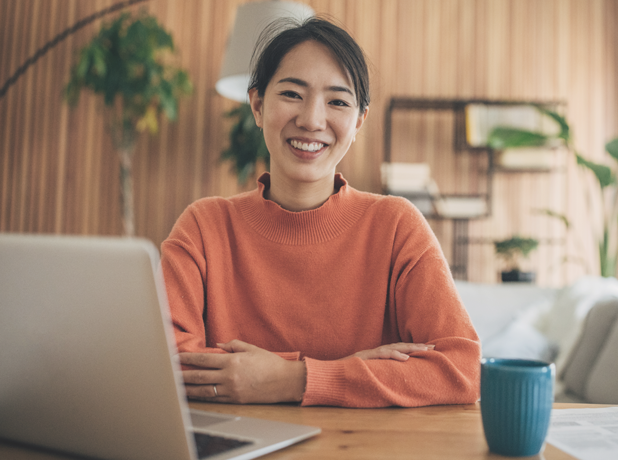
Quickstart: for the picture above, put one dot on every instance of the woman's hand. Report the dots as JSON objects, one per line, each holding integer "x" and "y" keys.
{"x": 398, "y": 351}
{"x": 246, "y": 374}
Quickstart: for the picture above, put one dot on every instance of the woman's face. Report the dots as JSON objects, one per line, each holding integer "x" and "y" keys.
{"x": 309, "y": 115}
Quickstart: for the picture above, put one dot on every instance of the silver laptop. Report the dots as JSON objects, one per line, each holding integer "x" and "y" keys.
{"x": 87, "y": 358}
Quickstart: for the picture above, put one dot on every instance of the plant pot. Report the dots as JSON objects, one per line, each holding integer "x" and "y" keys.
{"x": 516, "y": 276}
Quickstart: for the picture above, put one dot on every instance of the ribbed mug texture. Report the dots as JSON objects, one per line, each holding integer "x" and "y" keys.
{"x": 516, "y": 402}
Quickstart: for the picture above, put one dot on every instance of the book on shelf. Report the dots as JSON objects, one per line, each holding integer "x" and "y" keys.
{"x": 461, "y": 206}
{"x": 413, "y": 181}
{"x": 405, "y": 177}
{"x": 481, "y": 119}
{"x": 526, "y": 158}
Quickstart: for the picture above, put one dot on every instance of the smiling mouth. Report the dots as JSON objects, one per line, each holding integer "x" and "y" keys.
{"x": 311, "y": 147}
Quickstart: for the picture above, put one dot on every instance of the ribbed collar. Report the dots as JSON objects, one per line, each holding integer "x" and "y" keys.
{"x": 335, "y": 216}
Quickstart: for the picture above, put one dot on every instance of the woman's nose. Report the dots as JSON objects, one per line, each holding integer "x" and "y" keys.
{"x": 312, "y": 116}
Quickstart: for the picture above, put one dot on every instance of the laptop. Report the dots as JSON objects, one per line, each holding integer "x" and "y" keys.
{"x": 88, "y": 360}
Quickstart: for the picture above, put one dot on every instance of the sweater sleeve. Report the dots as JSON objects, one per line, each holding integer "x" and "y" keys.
{"x": 184, "y": 269}
{"x": 184, "y": 266}
{"x": 427, "y": 309}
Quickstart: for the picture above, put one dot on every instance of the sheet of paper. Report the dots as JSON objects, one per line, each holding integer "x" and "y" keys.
{"x": 586, "y": 434}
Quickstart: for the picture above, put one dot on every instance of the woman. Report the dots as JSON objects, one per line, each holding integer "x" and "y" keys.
{"x": 306, "y": 289}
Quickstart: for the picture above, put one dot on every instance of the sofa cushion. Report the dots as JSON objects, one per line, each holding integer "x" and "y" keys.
{"x": 493, "y": 307}
{"x": 563, "y": 324}
{"x": 591, "y": 369}
{"x": 602, "y": 387}
{"x": 520, "y": 340}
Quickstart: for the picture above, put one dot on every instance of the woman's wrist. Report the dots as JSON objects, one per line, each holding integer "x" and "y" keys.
{"x": 297, "y": 381}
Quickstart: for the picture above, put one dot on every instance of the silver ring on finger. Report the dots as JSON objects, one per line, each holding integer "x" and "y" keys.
{"x": 214, "y": 387}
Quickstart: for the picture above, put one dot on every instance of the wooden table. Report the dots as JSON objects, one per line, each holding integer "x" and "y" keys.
{"x": 426, "y": 433}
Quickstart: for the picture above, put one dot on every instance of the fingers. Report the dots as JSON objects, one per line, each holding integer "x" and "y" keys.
{"x": 215, "y": 360}
{"x": 201, "y": 377}
{"x": 207, "y": 392}
{"x": 398, "y": 351}
{"x": 236, "y": 346}
{"x": 410, "y": 347}
{"x": 392, "y": 353}
{"x": 407, "y": 349}
{"x": 204, "y": 385}
{"x": 203, "y": 360}
{"x": 402, "y": 353}
{"x": 396, "y": 355}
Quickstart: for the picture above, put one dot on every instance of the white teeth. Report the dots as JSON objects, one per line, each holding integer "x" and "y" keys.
{"x": 313, "y": 147}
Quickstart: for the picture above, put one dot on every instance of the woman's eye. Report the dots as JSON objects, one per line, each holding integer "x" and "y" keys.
{"x": 290, "y": 94}
{"x": 340, "y": 103}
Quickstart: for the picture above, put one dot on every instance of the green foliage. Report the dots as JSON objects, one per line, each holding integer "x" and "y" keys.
{"x": 127, "y": 63}
{"x": 612, "y": 148}
{"x": 550, "y": 213}
{"x": 603, "y": 173}
{"x": 503, "y": 137}
{"x": 512, "y": 249}
{"x": 247, "y": 145}
{"x": 565, "y": 130}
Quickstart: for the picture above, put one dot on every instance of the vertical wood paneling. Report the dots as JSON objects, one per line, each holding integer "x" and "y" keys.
{"x": 59, "y": 170}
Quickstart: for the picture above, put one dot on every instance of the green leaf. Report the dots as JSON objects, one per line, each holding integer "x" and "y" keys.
{"x": 565, "y": 131}
{"x": 550, "y": 213}
{"x": 607, "y": 261}
{"x": 164, "y": 40}
{"x": 98, "y": 58}
{"x": 602, "y": 172}
{"x": 612, "y": 148}
{"x": 502, "y": 138}
{"x": 81, "y": 69}
{"x": 183, "y": 83}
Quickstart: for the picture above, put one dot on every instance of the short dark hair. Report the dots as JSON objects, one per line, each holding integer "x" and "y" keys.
{"x": 280, "y": 36}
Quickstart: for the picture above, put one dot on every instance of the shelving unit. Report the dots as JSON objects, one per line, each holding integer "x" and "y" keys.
{"x": 457, "y": 107}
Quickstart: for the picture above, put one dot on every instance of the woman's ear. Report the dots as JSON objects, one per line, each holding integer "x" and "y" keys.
{"x": 361, "y": 119}
{"x": 257, "y": 104}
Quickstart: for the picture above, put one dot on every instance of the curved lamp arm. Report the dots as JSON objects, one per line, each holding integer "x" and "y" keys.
{"x": 58, "y": 38}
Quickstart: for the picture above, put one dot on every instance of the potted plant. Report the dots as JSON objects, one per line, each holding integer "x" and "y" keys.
{"x": 247, "y": 147}
{"x": 127, "y": 63}
{"x": 606, "y": 231}
{"x": 512, "y": 250}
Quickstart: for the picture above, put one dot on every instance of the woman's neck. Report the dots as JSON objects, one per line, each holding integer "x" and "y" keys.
{"x": 298, "y": 196}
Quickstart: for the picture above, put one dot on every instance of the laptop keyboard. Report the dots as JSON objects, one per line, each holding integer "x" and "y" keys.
{"x": 209, "y": 445}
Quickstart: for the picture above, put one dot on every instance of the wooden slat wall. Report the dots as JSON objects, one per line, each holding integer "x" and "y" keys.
{"x": 58, "y": 170}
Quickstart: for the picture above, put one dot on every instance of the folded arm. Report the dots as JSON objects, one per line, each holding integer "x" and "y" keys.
{"x": 446, "y": 374}
{"x": 424, "y": 307}
{"x": 246, "y": 374}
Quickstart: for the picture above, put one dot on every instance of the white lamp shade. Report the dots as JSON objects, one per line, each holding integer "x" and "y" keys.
{"x": 251, "y": 19}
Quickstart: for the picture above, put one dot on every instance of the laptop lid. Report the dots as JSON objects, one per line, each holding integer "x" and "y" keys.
{"x": 87, "y": 354}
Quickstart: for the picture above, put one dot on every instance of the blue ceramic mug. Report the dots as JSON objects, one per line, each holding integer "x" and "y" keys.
{"x": 516, "y": 401}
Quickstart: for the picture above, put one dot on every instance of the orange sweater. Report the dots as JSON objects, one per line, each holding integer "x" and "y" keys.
{"x": 360, "y": 271}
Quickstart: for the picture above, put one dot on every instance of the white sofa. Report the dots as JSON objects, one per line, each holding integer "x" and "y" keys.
{"x": 575, "y": 327}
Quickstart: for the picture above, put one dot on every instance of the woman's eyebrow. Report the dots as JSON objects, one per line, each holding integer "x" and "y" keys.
{"x": 303, "y": 83}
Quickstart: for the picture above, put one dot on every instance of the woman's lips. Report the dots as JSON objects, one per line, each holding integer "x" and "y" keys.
{"x": 306, "y": 150}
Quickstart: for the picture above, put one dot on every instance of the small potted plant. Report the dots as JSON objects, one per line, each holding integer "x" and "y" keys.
{"x": 512, "y": 250}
